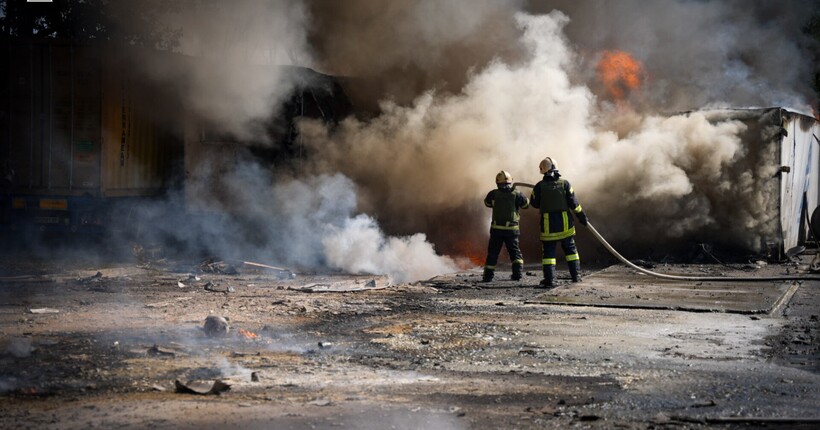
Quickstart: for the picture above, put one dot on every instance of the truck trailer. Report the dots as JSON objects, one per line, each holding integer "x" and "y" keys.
{"x": 81, "y": 133}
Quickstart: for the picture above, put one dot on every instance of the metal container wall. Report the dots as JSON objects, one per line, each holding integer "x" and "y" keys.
{"x": 137, "y": 152}
{"x": 780, "y": 164}
{"x": 74, "y": 123}
{"x": 800, "y": 151}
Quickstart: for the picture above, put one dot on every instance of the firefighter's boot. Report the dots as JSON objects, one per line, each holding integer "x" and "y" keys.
{"x": 549, "y": 276}
{"x": 575, "y": 270}
{"x": 489, "y": 274}
{"x": 516, "y": 271}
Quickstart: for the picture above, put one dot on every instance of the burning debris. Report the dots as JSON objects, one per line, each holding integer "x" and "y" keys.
{"x": 620, "y": 73}
{"x": 458, "y": 90}
{"x": 247, "y": 334}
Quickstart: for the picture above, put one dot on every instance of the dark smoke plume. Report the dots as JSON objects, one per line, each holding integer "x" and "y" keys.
{"x": 455, "y": 91}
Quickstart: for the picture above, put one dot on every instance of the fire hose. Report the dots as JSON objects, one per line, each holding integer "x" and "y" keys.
{"x": 685, "y": 278}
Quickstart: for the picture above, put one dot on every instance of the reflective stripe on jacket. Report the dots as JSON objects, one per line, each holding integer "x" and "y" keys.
{"x": 506, "y": 203}
{"x": 555, "y": 198}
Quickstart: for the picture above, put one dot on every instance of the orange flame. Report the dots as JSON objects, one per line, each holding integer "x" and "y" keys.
{"x": 470, "y": 251}
{"x": 247, "y": 334}
{"x": 620, "y": 73}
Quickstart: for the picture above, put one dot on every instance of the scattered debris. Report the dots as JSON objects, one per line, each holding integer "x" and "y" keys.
{"x": 159, "y": 351}
{"x": 167, "y": 303}
{"x": 201, "y": 388}
{"x": 528, "y": 351}
{"x": 345, "y": 286}
{"x": 214, "y": 288}
{"x": 814, "y": 266}
{"x": 645, "y": 264}
{"x": 95, "y": 278}
{"x": 220, "y": 267}
{"x": 706, "y": 404}
{"x": 216, "y": 326}
{"x": 147, "y": 257}
{"x": 44, "y": 311}
{"x": 320, "y": 402}
{"x": 281, "y": 272}
{"x": 545, "y": 410}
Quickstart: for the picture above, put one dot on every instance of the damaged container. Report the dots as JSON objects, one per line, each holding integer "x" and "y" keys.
{"x": 81, "y": 132}
{"x": 779, "y": 165}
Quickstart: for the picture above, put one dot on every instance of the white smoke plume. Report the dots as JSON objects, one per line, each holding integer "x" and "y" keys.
{"x": 643, "y": 175}
{"x": 234, "y": 74}
{"x": 231, "y": 76}
{"x": 458, "y": 90}
{"x": 309, "y": 224}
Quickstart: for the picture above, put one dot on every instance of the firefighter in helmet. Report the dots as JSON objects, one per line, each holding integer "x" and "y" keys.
{"x": 555, "y": 199}
{"x": 506, "y": 203}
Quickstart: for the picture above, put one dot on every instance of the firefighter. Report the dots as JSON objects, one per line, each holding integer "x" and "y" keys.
{"x": 555, "y": 199}
{"x": 506, "y": 203}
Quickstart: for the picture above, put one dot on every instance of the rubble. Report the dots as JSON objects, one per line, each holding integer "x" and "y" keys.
{"x": 202, "y": 388}
{"x": 43, "y": 311}
{"x": 216, "y": 326}
{"x": 495, "y": 354}
{"x": 345, "y": 286}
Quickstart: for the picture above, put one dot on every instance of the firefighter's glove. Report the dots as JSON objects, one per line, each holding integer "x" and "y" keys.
{"x": 582, "y": 218}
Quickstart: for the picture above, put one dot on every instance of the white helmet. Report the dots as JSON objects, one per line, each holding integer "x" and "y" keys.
{"x": 503, "y": 177}
{"x": 547, "y": 165}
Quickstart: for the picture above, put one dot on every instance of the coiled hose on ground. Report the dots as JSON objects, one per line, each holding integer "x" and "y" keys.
{"x": 687, "y": 278}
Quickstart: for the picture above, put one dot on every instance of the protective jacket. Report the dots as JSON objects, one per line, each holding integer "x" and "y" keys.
{"x": 506, "y": 203}
{"x": 555, "y": 198}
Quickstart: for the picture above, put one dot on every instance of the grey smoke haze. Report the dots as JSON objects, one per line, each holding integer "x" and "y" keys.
{"x": 467, "y": 88}
{"x": 538, "y": 96}
{"x": 307, "y": 224}
{"x": 232, "y": 82}
{"x": 697, "y": 53}
{"x": 231, "y": 78}
{"x": 703, "y": 53}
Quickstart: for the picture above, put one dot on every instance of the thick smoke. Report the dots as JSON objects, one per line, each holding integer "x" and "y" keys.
{"x": 230, "y": 77}
{"x": 735, "y": 53}
{"x": 442, "y": 152}
{"x": 643, "y": 175}
{"x": 306, "y": 224}
{"x": 234, "y": 77}
{"x": 456, "y": 91}
{"x": 399, "y": 49}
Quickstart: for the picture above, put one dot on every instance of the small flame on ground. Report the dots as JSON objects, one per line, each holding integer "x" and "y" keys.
{"x": 247, "y": 334}
{"x": 620, "y": 73}
{"x": 470, "y": 251}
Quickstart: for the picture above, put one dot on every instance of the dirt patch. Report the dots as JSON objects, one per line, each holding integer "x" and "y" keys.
{"x": 448, "y": 353}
